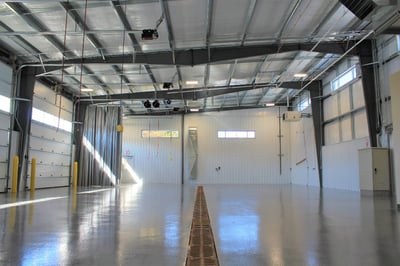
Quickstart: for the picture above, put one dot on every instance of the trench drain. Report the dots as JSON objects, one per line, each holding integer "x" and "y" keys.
{"x": 202, "y": 251}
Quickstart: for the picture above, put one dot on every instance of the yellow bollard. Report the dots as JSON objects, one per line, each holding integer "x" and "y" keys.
{"x": 14, "y": 184}
{"x": 75, "y": 176}
{"x": 33, "y": 174}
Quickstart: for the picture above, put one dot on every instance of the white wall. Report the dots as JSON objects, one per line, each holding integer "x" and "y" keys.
{"x": 154, "y": 160}
{"x": 340, "y": 164}
{"x": 389, "y": 68}
{"x": 304, "y": 164}
{"x": 241, "y": 161}
{"x": 345, "y": 130}
{"x": 395, "y": 93}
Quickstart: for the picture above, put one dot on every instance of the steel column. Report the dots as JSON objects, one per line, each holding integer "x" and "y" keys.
{"x": 368, "y": 81}
{"x": 317, "y": 115}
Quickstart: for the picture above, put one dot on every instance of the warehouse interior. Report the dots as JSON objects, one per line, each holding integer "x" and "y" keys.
{"x": 114, "y": 113}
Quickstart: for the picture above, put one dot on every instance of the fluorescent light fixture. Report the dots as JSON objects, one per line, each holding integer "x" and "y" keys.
{"x": 86, "y": 90}
{"x": 192, "y": 82}
{"x": 194, "y": 109}
{"x": 270, "y": 104}
{"x": 300, "y": 75}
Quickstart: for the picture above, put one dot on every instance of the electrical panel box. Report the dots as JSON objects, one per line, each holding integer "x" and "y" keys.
{"x": 374, "y": 170}
{"x": 291, "y": 116}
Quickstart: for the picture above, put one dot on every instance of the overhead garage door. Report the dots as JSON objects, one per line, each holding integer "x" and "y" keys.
{"x": 50, "y": 139}
{"x": 5, "y": 95}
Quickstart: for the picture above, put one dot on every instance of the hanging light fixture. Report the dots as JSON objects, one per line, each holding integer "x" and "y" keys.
{"x": 156, "y": 104}
{"x": 147, "y": 104}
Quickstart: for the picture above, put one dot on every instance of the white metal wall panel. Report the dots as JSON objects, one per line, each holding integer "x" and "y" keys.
{"x": 304, "y": 165}
{"x": 340, "y": 163}
{"x": 331, "y": 132}
{"x": 5, "y": 90}
{"x": 395, "y": 92}
{"x": 331, "y": 107}
{"x": 50, "y": 146}
{"x": 345, "y": 101}
{"x": 358, "y": 95}
{"x": 346, "y": 130}
{"x": 360, "y": 124}
{"x": 390, "y": 48}
{"x": 241, "y": 161}
{"x": 153, "y": 160}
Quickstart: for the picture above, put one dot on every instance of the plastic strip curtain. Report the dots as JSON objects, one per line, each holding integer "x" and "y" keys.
{"x": 101, "y": 147}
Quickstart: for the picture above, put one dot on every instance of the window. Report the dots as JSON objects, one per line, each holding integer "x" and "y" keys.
{"x": 236, "y": 134}
{"x": 160, "y": 134}
{"x": 51, "y": 120}
{"x": 5, "y": 103}
{"x": 303, "y": 101}
{"x": 345, "y": 78}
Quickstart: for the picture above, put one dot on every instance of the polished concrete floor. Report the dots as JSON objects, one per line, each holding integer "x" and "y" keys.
{"x": 150, "y": 225}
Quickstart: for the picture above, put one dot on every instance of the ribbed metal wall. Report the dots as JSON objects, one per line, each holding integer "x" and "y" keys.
{"x": 304, "y": 163}
{"x": 240, "y": 161}
{"x": 346, "y": 130}
{"x": 5, "y": 90}
{"x": 50, "y": 146}
{"x": 340, "y": 165}
{"x": 153, "y": 160}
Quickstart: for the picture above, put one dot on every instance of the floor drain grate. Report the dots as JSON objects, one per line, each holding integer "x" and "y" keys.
{"x": 202, "y": 250}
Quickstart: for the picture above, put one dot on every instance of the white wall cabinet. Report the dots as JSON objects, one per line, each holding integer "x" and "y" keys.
{"x": 374, "y": 170}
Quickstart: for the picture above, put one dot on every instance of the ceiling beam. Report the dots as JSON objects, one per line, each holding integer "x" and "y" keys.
{"x": 209, "y": 17}
{"x": 250, "y": 13}
{"x": 167, "y": 16}
{"x": 31, "y": 20}
{"x": 189, "y": 94}
{"x": 138, "y": 49}
{"x": 25, "y": 14}
{"x": 256, "y": 72}
{"x": 171, "y": 39}
{"x": 288, "y": 19}
{"x": 22, "y": 42}
{"x": 71, "y": 10}
{"x": 263, "y": 93}
{"x": 325, "y": 19}
{"x": 191, "y": 57}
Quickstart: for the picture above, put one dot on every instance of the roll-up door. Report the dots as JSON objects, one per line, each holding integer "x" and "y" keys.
{"x": 5, "y": 105}
{"x": 50, "y": 138}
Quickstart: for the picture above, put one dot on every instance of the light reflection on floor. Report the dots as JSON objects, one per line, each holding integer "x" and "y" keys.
{"x": 150, "y": 225}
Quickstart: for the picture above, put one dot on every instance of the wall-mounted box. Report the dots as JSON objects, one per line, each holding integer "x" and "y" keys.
{"x": 374, "y": 170}
{"x": 291, "y": 116}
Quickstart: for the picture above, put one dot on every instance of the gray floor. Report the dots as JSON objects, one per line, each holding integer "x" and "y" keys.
{"x": 149, "y": 225}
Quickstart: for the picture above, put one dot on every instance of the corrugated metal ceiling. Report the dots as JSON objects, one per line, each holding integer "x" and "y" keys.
{"x": 35, "y": 32}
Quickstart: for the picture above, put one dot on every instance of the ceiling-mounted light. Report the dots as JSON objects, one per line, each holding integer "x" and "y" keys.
{"x": 300, "y": 75}
{"x": 167, "y": 85}
{"x": 192, "y": 82}
{"x": 86, "y": 90}
{"x": 149, "y": 34}
{"x": 156, "y": 104}
{"x": 269, "y": 104}
{"x": 194, "y": 109}
{"x": 147, "y": 104}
